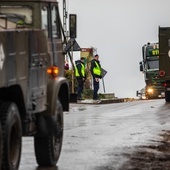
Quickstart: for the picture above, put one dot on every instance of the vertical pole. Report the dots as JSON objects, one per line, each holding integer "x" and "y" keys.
{"x": 103, "y": 85}
{"x": 72, "y": 76}
{"x": 64, "y": 18}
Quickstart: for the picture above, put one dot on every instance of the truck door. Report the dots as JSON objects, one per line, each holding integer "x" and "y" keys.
{"x": 37, "y": 71}
{"x": 51, "y": 23}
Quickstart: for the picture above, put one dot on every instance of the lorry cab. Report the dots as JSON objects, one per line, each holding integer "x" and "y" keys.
{"x": 149, "y": 66}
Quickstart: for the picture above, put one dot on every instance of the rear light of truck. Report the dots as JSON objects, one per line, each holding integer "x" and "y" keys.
{"x": 162, "y": 73}
{"x": 53, "y": 71}
{"x": 167, "y": 84}
{"x": 164, "y": 84}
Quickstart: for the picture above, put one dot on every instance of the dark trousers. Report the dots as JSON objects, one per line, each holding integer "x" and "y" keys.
{"x": 80, "y": 87}
{"x": 96, "y": 88}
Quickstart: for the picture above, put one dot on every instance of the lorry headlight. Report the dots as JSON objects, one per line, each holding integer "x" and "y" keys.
{"x": 150, "y": 90}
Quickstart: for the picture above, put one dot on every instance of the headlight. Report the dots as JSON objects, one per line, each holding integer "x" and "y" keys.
{"x": 144, "y": 97}
{"x": 150, "y": 90}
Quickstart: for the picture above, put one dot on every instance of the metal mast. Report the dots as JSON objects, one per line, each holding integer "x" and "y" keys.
{"x": 65, "y": 18}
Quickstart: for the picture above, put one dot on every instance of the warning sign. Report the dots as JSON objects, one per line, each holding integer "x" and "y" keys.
{"x": 104, "y": 72}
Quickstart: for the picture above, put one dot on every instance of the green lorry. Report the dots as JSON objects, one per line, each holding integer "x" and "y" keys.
{"x": 149, "y": 66}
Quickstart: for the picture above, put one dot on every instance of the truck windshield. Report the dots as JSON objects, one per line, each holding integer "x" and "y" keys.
{"x": 153, "y": 64}
{"x": 17, "y": 14}
{"x": 55, "y": 23}
{"x": 44, "y": 23}
{"x": 51, "y": 26}
{"x": 152, "y": 57}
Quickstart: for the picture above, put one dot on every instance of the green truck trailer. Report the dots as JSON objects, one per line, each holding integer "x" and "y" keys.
{"x": 149, "y": 66}
{"x": 164, "y": 59}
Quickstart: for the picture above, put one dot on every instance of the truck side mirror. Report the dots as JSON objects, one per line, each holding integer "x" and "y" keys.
{"x": 138, "y": 93}
{"x": 73, "y": 25}
{"x": 141, "y": 66}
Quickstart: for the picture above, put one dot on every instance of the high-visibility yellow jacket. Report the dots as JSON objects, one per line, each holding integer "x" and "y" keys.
{"x": 96, "y": 69}
{"x": 80, "y": 70}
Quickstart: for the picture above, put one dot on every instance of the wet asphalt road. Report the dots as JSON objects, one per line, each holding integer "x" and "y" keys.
{"x": 120, "y": 136}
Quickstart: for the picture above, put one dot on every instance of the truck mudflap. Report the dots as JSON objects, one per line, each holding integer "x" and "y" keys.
{"x": 57, "y": 89}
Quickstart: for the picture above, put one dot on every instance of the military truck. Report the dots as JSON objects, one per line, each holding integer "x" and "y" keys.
{"x": 33, "y": 90}
{"x": 150, "y": 67}
{"x": 164, "y": 59}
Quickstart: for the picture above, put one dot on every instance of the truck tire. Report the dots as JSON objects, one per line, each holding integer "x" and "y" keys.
{"x": 47, "y": 149}
{"x": 1, "y": 148}
{"x": 167, "y": 96}
{"x": 12, "y": 135}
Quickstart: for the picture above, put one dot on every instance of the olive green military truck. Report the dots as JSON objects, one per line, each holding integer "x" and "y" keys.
{"x": 33, "y": 90}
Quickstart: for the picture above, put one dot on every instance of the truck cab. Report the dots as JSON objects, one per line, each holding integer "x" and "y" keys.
{"x": 33, "y": 90}
{"x": 149, "y": 66}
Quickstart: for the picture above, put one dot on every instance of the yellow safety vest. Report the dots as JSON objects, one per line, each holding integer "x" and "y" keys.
{"x": 82, "y": 71}
{"x": 97, "y": 70}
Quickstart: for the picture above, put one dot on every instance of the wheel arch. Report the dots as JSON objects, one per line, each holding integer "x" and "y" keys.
{"x": 57, "y": 89}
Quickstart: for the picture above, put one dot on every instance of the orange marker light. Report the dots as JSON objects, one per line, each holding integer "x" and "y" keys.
{"x": 49, "y": 70}
{"x": 53, "y": 71}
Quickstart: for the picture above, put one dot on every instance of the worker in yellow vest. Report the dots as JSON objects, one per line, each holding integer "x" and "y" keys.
{"x": 80, "y": 76}
{"x": 96, "y": 74}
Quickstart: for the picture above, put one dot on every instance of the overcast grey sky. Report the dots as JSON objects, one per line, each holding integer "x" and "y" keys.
{"x": 119, "y": 29}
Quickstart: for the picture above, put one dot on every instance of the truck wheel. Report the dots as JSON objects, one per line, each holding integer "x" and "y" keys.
{"x": 1, "y": 149}
{"x": 12, "y": 133}
{"x": 47, "y": 149}
{"x": 167, "y": 96}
